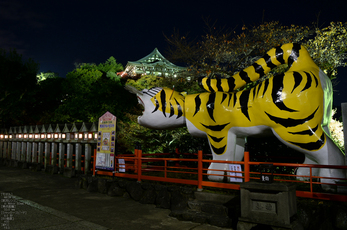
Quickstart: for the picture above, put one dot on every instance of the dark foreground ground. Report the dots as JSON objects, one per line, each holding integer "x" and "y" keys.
{"x": 36, "y": 200}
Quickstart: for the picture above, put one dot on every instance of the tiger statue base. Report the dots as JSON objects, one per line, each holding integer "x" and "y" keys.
{"x": 294, "y": 106}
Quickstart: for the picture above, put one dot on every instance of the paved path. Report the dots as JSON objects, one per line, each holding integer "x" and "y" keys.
{"x": 36, "y": 200}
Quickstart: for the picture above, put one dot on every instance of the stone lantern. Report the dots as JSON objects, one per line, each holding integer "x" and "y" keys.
{"x": 37, "y": 132}
{"x": 89, "y": 130}
{"x": 78, "y": 135}
{"x": 43, "y": 133}
{"x": 58, "y": 131}
{"x": 31, "y": 134}
{"x": 66, "y": 134}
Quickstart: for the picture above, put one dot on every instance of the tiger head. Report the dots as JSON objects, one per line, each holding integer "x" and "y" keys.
{"x": 163, "y": 108}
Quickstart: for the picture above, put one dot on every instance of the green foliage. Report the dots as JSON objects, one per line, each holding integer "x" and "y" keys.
{"x": 146, "y": 82}
{"x": 329, "y": 48}
{"x": 17, "y": 88}
{"x": 48, "y": 97}
{"x": 156, "y": 141}
{"x": 91, "y": 90}
{"x": 224, "y": 54}
{"x": 45, "y": 75}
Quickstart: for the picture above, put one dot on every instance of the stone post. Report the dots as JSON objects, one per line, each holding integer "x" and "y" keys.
{"x": 61, "y": 156}
{"x": 9, "y": 150}
{"x": 28, "y": 152}
{"x": 5, "y": 150}
{"x": 87, "y": 157}
{"x": 14, "y": 149}
{"x": 23, "y": 152}
{"x": 40, "y": 153}
{"x": 54, "y": 154}
{"x": 47, "y": 154}
{"x": 34, "y": 153}
{"x": 69, "y": 153}
{"x": 18, "y": 151}
{"x": 78, "y": 157}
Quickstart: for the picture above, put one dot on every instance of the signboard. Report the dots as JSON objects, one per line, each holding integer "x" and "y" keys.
{"x": 106, "y": 142}
{"x": 235, "y": 167}
{"x": 121, "y": 163}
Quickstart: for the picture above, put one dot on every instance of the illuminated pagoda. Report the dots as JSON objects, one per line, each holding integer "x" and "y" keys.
{"x": 153, "y": 64}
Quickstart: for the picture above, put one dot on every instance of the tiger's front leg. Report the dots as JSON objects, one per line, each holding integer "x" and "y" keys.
{"x": 234, "y": 152}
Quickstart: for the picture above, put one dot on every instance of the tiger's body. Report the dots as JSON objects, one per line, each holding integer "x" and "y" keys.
{"x": 294, "y": 106}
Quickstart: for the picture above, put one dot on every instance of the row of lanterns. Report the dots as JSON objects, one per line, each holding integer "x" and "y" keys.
{"x": 75, "y": 131}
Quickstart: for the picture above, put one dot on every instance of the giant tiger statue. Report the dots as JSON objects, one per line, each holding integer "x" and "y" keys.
{"x": 294, "y": 106}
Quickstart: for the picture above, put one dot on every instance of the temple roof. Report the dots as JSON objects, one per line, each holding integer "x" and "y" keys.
{"x": 154, "y": 63}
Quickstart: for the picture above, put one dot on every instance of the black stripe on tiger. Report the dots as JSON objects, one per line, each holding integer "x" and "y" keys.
{"x": 217, "y": 128}
{"x": 254, "y": 91}
{"x": 230, "y": 96}
{"x": 210, "y": 105}
{"x": 219, "y": 85}
{"x": 244, "y": 103}
{"x": 216, "y": 139}
{"x": 312, "y": 145}
{"x": 244, "y": 76}
{"x": 294, "y": 54}
{"x": 259, "y": 86}
{"x": 266, "y": 82}
{"x": 224, "y": 97}
{"x": 163, "y": 101}
{"x": 315, "y": 78}
{"x": 152, "y": 91}
{"x": 156, "y": 105}
{"x": 268, "y": 61}
{"x": 197, "y": 104}
{"x": 179, "y": 110}
{"x": 279, "y": 55}
{"x": 289, "y": 122}
{"x": 258, "y": 69}
{"x": 276, "y": 94}
{"x": 172, "y": 110}
{"x": 231, "y": 83}
{"x": 308, "y": 83}
{"x": 309, "y": 132}
{"x": 208, "y": 83}
{"x": 297, "y": 80}
{"x": 218, "y": 151}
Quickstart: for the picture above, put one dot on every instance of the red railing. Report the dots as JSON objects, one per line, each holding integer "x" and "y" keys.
{"x": 159, "y": 167}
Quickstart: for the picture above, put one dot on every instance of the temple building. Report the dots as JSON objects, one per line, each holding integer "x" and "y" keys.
{"x": 153, "y": 64}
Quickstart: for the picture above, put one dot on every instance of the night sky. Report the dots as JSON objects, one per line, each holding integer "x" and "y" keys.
{"x": 57, "y": 34}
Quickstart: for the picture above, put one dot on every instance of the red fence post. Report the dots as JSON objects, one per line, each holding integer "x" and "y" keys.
{"x": 135, "y": 157}
{"x": 199, "y": 169}
{"x": 311, "y": 188}
{"x": 246, "y": 163}
{"x": 139, "y": 164}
